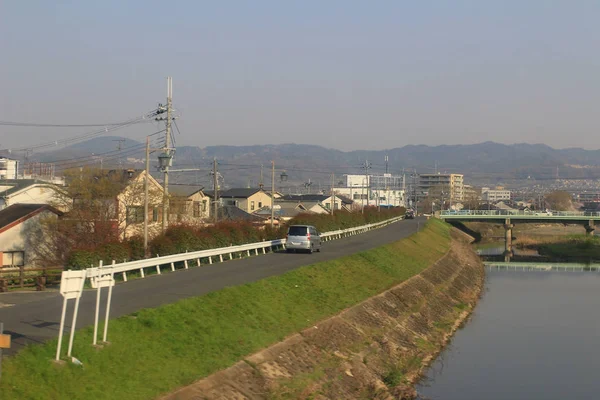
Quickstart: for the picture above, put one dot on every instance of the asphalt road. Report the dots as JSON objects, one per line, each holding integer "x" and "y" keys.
{"x": 34, "y": 317}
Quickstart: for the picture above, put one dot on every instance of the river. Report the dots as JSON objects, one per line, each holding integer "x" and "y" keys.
{"x": 533, "y": 335}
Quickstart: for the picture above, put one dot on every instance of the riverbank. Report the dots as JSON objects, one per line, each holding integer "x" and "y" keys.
{"x": 377, "y": 349}
{"x": 155, "y": 351}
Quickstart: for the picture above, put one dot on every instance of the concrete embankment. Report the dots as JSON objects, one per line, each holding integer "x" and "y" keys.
{"x": 376, "y": 349}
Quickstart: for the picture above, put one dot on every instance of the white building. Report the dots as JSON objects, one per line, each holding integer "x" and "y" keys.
{"x": 20, "y": 230}
{"x": 385, "y": 190}
{"x": 9, "y": 169}
{"x": 492, "y": 195}
{"x": 25, "y": 191}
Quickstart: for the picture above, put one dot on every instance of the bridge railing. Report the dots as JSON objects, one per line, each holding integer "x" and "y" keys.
{"x": 549, "y": 213}
{"x": 211, "y": 256}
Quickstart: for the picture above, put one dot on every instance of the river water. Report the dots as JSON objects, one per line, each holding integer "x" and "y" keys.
{"x": 533, "y": 335}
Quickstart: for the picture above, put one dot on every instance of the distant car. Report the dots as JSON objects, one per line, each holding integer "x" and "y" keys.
{"x": 546, "y": 213}
{"x": 410, "y": 214}
{"x": 303, "y": 238}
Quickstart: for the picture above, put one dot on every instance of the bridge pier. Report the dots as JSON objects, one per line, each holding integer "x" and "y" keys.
{"x": 507, "y": 240}
{"x": 590, "y": 228}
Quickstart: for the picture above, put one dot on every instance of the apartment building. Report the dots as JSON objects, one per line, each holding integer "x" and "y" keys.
{"x": 450, "y": 183}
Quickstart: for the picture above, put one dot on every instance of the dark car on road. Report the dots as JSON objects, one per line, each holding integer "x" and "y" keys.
{"x": 410, "y": 214}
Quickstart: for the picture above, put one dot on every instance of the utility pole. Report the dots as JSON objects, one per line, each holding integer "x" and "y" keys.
{"x": 119, "y": 141}
{"x": 166, "y": 157}
{"x": 261, "y": 183}
{"x": 332, "y": 193}
{"x": 272, "y": 192}
{"x": 366, "y": 166}
{"x": 146, "y": 196}
{"x": 216, "y": 186}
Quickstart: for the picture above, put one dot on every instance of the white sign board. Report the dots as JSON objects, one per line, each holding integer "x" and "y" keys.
{"x": 71, "y": 284}
{"x": 97, "y": 277}
{"x": 102, "y": 281}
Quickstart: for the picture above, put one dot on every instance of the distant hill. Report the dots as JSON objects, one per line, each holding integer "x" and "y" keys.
{"x": 484, "y": 163}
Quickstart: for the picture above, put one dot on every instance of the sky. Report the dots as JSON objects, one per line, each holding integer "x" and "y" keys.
{"x": 342, "y": 74}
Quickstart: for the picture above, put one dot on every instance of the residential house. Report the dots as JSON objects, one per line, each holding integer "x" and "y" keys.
{"x": 234, "y": 213}
{"x": 111, "y": 203}
{"x": 188, "y": 203}
{"x": 285, "y": 210}
{"x": 25, "y": 191}
{"x": 20, "y": 226}
{"x": 248, "y": 200}
{"x": 316, "y": 202}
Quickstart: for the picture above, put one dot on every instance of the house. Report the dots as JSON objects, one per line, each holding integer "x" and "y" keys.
{"x": 188, "y": 203}
{"x": 249, "y": 200}
{"x": 310, "y": 201}
{"x": 20, "y": 224}
{"x": 111, "y": 203}
{"x": 233, "y": 213}
{"x": 25, "y": 191}
{"x": 284, "y": 210}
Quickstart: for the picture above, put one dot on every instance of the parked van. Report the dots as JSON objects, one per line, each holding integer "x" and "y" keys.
{"x": 304, "y": 238}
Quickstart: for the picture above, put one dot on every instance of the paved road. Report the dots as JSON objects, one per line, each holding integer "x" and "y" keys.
{"x": 34, "y": 317}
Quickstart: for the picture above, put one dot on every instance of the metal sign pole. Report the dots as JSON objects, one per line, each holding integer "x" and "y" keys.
{"x": 62, "y": 328}
{"x": 73, "y": 326}
{"x": 98, "y": 292}
{"x": 110, "y": 288}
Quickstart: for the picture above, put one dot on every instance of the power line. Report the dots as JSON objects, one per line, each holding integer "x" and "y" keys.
{"x": 40, "y": 125}
{"x": 87, "y": 135}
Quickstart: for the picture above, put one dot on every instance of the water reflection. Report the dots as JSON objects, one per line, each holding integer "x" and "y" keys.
{"x": 534, "y": 335}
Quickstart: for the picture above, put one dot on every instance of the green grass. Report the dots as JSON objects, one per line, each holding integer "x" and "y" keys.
{"x": 574, "y": 247}
{"x": 157, "y": 350}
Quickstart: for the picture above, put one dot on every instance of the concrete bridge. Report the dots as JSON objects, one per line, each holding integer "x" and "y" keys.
{"x": 508, "y": 217}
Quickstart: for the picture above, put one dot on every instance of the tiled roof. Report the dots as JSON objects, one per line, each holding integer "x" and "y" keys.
{"x": 241, "y": 193}
{"x": 17, "y": 185}
{"x": 16, "y": 212}
{"x": 234, "y": 213}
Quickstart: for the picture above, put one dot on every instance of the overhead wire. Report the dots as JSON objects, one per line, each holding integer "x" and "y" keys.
{"x": 87, "y": 135}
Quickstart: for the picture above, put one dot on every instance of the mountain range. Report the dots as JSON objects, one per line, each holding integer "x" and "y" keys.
{"x": 483, "y": 163}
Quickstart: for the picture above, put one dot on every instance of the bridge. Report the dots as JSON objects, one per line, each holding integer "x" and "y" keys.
{"x": 509, "y": 217}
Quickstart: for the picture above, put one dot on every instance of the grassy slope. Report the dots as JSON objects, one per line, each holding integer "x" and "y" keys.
{"x": 160, "y": 349}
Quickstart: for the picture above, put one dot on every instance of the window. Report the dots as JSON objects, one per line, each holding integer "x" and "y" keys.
{"x": 252, "y": 206}
{"x": 204, "y": 202}
{"x": 155, "y": 214}
{"x": 13, "y": 258}
{"x": 328, "y": 206}
{"x": 260, "y": 204}
{"x": 197, "y": 212}
{"x": 135, "y": 214}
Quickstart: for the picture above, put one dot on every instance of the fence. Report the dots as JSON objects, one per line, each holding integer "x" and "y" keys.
{"x": 22, "y": 277}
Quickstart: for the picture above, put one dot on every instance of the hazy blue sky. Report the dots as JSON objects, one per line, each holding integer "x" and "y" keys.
{"x": 343, "y": 74}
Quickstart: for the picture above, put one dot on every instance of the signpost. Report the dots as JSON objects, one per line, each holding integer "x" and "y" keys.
{"x": 99, "y": 281}
{"x": 71, "y": 287}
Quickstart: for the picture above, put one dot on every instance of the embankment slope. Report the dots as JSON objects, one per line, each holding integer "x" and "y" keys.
{"x": 374, "y": 350}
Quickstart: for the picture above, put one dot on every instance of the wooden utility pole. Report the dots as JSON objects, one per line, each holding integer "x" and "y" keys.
{"x": 272, "y": 192}
{"x": 216, "y": 186}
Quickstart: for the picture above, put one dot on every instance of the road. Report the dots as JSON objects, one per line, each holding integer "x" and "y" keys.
{"x": 34, "y": 317}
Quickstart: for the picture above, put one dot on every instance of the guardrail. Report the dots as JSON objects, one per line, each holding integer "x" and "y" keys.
{"x": 541, "y": 214}
{"x": 183, "y": 260}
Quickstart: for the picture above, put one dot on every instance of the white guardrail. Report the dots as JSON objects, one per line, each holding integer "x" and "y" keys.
{"x": 219, "y": 254}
